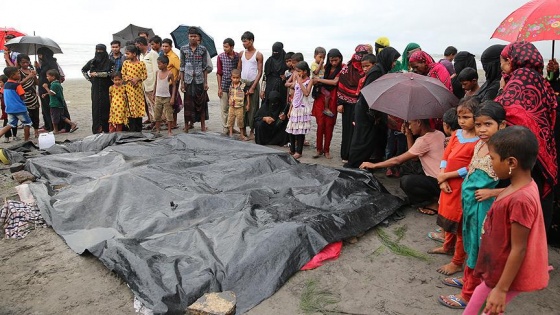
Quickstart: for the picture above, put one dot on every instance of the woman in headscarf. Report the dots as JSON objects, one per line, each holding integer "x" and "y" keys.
{"x": 370, "y": 130}
{"x": 490, "y": 60}
{"x": 380, "y": 43}
{"x": 463, "y": 59}
{"x": 347, "y": 95}
{"x": 408, "y": 50}
{"x": 530, "y": 101}
{"x": 327, "y": 98}
{"x": 269, "y": 128}
{"x": 98, "y": 71}
{"x": 274, "y": 73}
{"x": 46, "y": 62}
{"x": 422, "y": 63}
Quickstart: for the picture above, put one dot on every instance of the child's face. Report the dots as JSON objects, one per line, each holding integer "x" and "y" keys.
{"x": 366, "y": 65}
{"x": 447, "y": 129}
{"x": 227, "y": 48}
{"x": 166, "y": 48}
{"x": 161, "y": 66}
{"x": 501, "y": 167}
{"x": 469, "y": 85}
{"x": 17, "y": 76}
{"x": 465, "y": 118}
{"x": 415, "y": 127}
{"x": 486, "y": 127}
{"x": 319, "y": 58}
{"x": 505, "y": 64}
{"x": 334, "y": 61}
{"x": 235, "y": 79}
{"x": 130, "y": 55}
{"x": 1, "y": 84}
{"x": 50, "y": 77}
{"x": 289, "y": 64}
{"x": 301, "y": 73}
{"x": 117, "y": 81}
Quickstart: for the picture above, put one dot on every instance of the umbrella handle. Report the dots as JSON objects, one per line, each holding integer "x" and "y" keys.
{"x": 553, "y": 49}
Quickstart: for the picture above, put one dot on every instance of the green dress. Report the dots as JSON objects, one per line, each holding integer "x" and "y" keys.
{"x": 481, "y": 175}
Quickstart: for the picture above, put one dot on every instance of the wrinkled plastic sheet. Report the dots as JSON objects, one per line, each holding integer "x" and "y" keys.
{"x": 179, "y": 217}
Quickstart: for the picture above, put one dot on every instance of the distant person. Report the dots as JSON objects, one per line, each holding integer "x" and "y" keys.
{"x": 239, "y": 102}
{"x": 175, "y": 67}
{"x": 142, "y": 34}
{"x": 447, "y": 61}
{"x": 513, "y": 256}
{"x": 422, "y": 63}
{"x": 463, "y": 59}
{"x": 490, "y": 60}
{"x": 164, "y": 95}
{"x": 155, "y": 43}
{"x": 299, "y": 115}
{"x": 227, "y": 61}
{"x": 194, "y": 80}
{"x": 469, "y": 81}
{"x": 274, "y": 73}
{"x": 133, "y": 74}
{"x": 251, "y": 65}
{"x": 29, "y": 83}
{"x": 10, "y": 57}
{"x": 57, "y": 102}
{"x": 13, "y": 132}
{"x": 408, "y": 50}
{"x": 380, "y": 43}
{"x": 98, "y": 71}
{"x": 118, "y": 116}
{"x": 116, "y": 55}
{"x": 13, "y": 95}
{"x": 149, "y": 58}
{"x": 46, "y": 62}
{"x": 450, "y": 124}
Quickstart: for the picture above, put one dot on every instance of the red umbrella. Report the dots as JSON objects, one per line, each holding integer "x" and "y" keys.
{"x": 534, "y": 21}
{"x": 5, "y": 31}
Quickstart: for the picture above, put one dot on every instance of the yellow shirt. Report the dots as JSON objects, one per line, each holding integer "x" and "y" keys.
{"x": 174, "y": 64}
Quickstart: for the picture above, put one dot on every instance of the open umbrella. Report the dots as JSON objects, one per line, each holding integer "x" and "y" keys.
{"x": 409, "y": 96}
{"x": 536, "y": 20}
{"x": 29, "y": 44}
{"x": 130, "y": 33}
{"x": 5, "y": 31}
{"x": 181, "y": 38}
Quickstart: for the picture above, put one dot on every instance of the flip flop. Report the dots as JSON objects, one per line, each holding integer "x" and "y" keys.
{"x": 435, "y": 236}
{"x": 74, "y": 129}
{"x": 458, "y": 304}
{"x": 453, "y": 282}
{"x": 427, "y": 211}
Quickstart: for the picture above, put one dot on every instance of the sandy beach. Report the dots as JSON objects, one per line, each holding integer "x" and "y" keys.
{"x": 41, "y": 275}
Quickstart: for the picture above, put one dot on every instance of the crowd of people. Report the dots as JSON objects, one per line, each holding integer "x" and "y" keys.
{"x": 488, "y": 169}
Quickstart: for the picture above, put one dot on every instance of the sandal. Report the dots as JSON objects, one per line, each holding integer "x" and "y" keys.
{"x": 436, "y": 236}
{"x": 427, "y": 210}
{"x": 453, "y": 282}
{"x": 456, "y": 303}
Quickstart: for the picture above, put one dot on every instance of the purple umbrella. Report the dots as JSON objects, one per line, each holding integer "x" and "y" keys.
{"x": 409, "y": 96}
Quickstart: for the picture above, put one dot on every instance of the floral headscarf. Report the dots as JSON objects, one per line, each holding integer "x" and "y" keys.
{"x": 435, "y": 70}
{"x": 350, "y": 75}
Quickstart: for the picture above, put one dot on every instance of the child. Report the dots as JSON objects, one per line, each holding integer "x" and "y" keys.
{"x": 56, "y": 101}
{"x": 299, "y": 114}
{"x": 164, "y": 98}
{"x": 450, "y": 124}
{"x": 513, "y": 254}
{"x": 318, "y": 64}
{"x": 478, "y": 194}
{"x": 469, "y": 81}
{"x": 118, "y": 115}
{"x": 13, "y": 131}
{"x": 133, "y": 73}
{"x": 13, "y": 95}
{"x": 239, "y": 101}
{"x": 453, "y": 169}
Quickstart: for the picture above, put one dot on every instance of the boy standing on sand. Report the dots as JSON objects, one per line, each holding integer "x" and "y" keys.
{"x": 56, "y": 102}
{"x": 239, "y": 102}
{"x": 15, "y": 107}
{"x": 164, "y": 98}
{"x": 227, "y": 61}
{"x": 251, "y": 66}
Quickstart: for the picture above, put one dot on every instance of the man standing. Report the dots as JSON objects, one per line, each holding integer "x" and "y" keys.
{"x": 149, "y": 57}
{"x": 251, "y": 66}
{"x": 173, "y": 66}
{"x": 227, "y": 61}
{"x": 194, "y": 79}
{"x": 116, "y": 55}
{"x": 155, "y": 43}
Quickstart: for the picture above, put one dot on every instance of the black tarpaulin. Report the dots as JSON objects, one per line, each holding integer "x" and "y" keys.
{"x": 197, "y": 213}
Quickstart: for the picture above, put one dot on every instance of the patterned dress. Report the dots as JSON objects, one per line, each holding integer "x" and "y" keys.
{"x": 135, "y": 94}
{"x": 118, "y": 114}
{"x": 300, "y": 117}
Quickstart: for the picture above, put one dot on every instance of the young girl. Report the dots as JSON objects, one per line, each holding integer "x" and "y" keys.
{"x": 118, "y": 114}
{"x": 453, "y": 169}
{"x": 478, "y": 195}
{"x": 29, "y": 83}
{"x": 513, "y": 254}
{"x": 133, "y": 73}
{"x": 299, "y": 114}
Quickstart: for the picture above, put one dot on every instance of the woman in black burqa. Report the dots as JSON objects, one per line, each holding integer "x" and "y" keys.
{"x": 370, "y": 130}
{"x": 463, "y": 59}
{"x": 274, "y": 73}
{"x": 490, "y": 60}
{"x": 269, "y": 128}
{"x": 98, "y": 71}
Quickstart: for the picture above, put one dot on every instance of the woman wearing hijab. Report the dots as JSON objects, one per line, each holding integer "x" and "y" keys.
{"x": 347, "y": 95}
{"x": 46, "y": 62}
{"x": 463, "y": 59}
{"x": 422, "y": 63}
{"x": 370, "y": 130}
{"x": 408, "y": 50}
{"x": 274, "y": 73}
{"x": 490, "y": 60}
{"x": 98, "y": 71}
{"x": 269, "y": 128}
{"x": 327, "y": 98}
{"x": 530, "y": 101}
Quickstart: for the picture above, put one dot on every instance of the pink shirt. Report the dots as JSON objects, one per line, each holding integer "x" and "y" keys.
{"x": 429, "y": 149}
{"x": 524, "y": 208}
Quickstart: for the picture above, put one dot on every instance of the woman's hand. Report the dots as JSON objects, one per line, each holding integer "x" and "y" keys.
{"x": 445, "y": 187}
{"x": 340, "y": 109}
{"x": 483, "y": 194}
{"x": 496, "y": 302}
{"x": 442, "y": 177}
{"x": 367, "y": 165}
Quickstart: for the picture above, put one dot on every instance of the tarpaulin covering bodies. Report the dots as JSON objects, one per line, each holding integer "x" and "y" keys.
{"x": 182, "y": 216}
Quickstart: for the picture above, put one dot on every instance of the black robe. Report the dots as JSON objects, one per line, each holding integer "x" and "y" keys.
{"x": 275, "y": 133}
{"x": 100, "y": 103}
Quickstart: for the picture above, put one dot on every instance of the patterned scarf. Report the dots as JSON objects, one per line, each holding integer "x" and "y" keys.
{"x": 350, "y": 75}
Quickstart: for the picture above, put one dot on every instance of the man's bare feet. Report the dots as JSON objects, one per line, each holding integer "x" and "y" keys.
{"x": 449, "y": 269}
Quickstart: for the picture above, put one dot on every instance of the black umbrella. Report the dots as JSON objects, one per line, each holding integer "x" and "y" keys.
{"x": 29, "y": 44}
{"x": 181, "y": 38}
{"x": 130, "y": 33}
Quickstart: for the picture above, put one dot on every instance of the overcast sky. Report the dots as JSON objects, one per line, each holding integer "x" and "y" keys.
{"x": 300, "y": 25}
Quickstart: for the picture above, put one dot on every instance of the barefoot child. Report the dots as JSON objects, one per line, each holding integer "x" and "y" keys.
{"x": 164, "y": 94}
{"x": 453, "y": 169}
{"x": 478, "y": 195}
{"x": 239, "y": 102}
{"x": 513, "y": 254}
{"x": 118, "y": 114}
{"x": 299, "y": 114}
{"x": 16, "y": 110}
{"x": 56, "y": 101}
